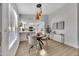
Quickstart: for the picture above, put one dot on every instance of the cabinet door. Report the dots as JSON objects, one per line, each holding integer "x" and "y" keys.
{"x": 57, "y": 38}
{"x": 23, "y": 36}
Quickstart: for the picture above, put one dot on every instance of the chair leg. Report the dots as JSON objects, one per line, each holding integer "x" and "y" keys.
{"x": 46, "y": 43}
{"x": 30, "y": 49}
{"x": 36, "y": 50}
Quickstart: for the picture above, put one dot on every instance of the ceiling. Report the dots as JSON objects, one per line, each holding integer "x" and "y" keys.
{"x": 30, "y": 8}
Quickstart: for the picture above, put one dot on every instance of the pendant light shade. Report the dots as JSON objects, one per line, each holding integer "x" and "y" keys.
{"x": 37, "y": 16}
{"x": 39, "y": 12}
{"x": 39, "y": 5}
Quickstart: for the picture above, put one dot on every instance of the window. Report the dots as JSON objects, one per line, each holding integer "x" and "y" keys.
{"x": 40, "y": 26}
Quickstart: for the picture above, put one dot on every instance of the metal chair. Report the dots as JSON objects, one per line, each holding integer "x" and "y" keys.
{"x": 45, "y": 38}
{"x": 32, "y": 42}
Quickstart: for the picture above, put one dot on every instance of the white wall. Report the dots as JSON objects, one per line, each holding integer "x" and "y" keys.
{"x": 67, "y": 13}
{"x": 0, "y": 26}
{"x": 78, "y": 22}
{"x": 5, "y": 33}
{"x": 31, "y": 18}
{"x": 0, "y": 17}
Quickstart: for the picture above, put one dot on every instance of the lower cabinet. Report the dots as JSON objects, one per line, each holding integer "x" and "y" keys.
{"x": 59, "y": 38}
{"x": 23, "y": 36}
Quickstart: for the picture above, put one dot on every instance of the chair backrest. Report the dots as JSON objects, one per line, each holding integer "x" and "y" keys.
{"x": 32, "y": 40}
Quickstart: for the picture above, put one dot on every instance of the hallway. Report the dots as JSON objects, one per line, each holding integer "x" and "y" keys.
{"x": 54, "y": 49}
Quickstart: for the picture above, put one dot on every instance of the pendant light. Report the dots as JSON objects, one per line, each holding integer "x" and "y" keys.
{"x": 39, "y": 12}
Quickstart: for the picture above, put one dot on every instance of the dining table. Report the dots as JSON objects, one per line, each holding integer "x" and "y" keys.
{"x": 39, "y": 39}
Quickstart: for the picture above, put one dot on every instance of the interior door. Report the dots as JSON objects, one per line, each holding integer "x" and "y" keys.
{"x": 12, "y": 26}
{"x": 9, "y": 29}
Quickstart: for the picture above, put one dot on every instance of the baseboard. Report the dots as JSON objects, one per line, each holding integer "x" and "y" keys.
{"x": 68, "y": 44}
{"x": 71, "y": 45}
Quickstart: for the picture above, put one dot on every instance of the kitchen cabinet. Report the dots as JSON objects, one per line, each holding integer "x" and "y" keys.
{"x": 22, "y": 36}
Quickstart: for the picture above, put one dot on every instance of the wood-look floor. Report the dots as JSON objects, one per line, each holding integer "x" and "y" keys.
{"x": 54, "y": 49}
